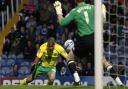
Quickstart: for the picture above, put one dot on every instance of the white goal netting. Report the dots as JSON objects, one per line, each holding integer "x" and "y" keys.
{"x": 116, "y": 36}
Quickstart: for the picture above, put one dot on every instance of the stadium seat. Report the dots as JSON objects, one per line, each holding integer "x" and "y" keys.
{"x": 6, "y": 71}
{"x": 24, "y": 71}
{"x": 3, "y": 56}
{"x": 20, "y": 56}
{"x": 19, "y": 61}
{"x": 12, "y": 56}
{"x": 10, "y": 62}
{"x": 3, "y": 62}
{"x": 25, "y": 63}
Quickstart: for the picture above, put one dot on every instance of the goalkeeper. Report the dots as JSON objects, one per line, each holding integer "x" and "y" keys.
{"x": 45, "y": 62}
{"x": 83, "y": 15}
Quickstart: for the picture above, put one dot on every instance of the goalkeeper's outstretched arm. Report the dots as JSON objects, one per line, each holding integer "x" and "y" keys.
{"x": 58, "y": 9}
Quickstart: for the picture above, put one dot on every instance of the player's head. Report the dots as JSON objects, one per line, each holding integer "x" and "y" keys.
{"x": 69, "y": 45}
{"x": 51, "y": 43}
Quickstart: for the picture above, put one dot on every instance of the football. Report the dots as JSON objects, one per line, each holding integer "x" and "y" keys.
{"x": 69, "y": 44}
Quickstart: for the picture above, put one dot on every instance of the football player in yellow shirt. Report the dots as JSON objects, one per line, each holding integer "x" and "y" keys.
{"x": 45, "y": 61}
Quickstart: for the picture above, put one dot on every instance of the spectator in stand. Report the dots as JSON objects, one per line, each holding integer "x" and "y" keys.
{"x": 31, "y": 22}
{"x": 88, "y": 70}
{"x": 15, "y": 70}
{"x": 37, "y": 47}
{"x": 44, "y": 30}
{"x": 79, "y": 68}
{"x": 11, "y": 34}
{"x": 60, "y": 30}
{"x": 121, "y": 68}
{"x": 15, "y": 47}
{"x": 44, "y": 12}
{"x": 51, "y": 30}
{"x": 52, "y": 14}
{"x": 21, "y": 36}
{"x": 59, "y": 38}
{"x": 6, "y": 46}
{"x": 126, "y": 8}
{"x": 39, "y": 39}
{"x": 61, "y": 68}
{"x": 60, "y": 64}
{"x": 31, "y": 32}
{"x": 21, "y": 23}
{"x": 9, "y": 39}
{"x": 64, "y": 72}
{"x": 3, "y": 4}
{"x": 29, "y": 50}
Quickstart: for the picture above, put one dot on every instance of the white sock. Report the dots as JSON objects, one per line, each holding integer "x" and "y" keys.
{"x": 118, "y": 81}
{"x": 76, "y": 77}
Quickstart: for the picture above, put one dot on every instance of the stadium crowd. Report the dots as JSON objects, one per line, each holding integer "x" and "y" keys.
{"x": 34, "y": 27}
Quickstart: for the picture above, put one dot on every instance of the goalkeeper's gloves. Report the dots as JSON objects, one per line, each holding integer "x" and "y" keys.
{"x": 58, "y": 8}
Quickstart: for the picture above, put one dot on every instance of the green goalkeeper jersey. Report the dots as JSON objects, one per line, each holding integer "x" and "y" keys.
{"x": 83, "y": 15}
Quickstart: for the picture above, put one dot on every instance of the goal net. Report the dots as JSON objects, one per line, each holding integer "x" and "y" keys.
{"x": 116, "y": 38}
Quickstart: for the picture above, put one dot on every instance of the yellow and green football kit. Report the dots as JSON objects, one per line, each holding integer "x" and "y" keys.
{"x": 48, "y": 59}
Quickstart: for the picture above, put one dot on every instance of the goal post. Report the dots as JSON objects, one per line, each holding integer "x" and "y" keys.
{"x": 98, "y": 45}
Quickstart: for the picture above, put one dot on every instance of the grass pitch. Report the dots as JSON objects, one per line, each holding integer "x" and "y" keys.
{"x": 56, "y": 87}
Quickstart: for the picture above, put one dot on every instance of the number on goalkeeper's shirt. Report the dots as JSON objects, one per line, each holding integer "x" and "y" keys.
{"x": 86, "y": 17}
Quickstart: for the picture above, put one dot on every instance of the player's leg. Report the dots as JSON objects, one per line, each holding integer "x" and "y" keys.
{"x": 113, "y": 72}
{"x": 27, "y": 80}
{"x": 51, "y": 77}
{"x": 72, "y": 67}
{"x": 82, "y": 46}
{"x": 31, "y": 77}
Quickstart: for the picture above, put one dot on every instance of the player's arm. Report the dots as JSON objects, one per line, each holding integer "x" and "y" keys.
{"x": 37, "y": 59}
{"x": 63, "y": 20}
{"x": 62, "y": 52}
{"x": 33, "y": 66}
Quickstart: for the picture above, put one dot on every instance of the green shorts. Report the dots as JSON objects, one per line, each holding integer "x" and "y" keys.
{"x": 42, "y": 70}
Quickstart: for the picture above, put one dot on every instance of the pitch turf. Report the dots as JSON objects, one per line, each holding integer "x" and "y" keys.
{"x": 57, "y": 87}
